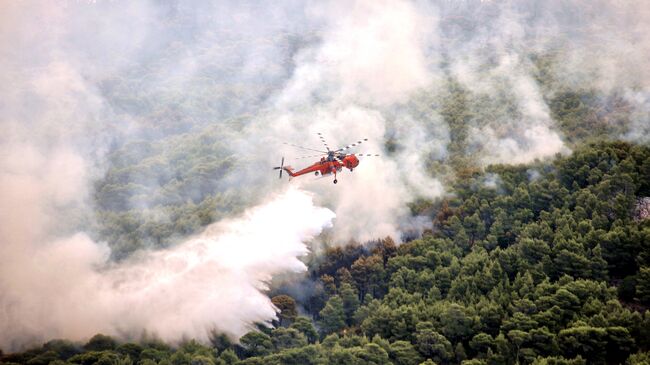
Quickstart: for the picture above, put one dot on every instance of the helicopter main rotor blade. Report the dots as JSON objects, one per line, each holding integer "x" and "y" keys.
{"x": 312, "y": 156}
{"x": 351, "y": 145}
{"x": 366, "y": 155}
{"x": 322, "y": 139}
{"x": 304, "y": 148}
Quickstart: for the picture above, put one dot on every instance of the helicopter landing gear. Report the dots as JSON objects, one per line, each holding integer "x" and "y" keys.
{"x": 335, "y": 181}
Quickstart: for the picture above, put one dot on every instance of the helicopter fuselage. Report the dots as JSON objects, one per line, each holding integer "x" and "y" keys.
{"x": 327, "y": 165}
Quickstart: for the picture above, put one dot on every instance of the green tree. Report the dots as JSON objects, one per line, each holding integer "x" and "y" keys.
{"x": 481, "y": 343}
{"x": 132, "y": 350}
{"x": 619, "y": 344}
{"x": 333, "y": 315}
{"x": 586, "y": 341}
{"x": 432, "y": 344}
{"x": 457, "y": 324}
{"x": 64, "y": 349}
{"x": 100, "y": 342}
{"x": 153, "y": 355}
{"x": 305, "y": 326}
{"x": 368, "y": 273}
{"x": 350, "y": 299}
{"x": 474, "y": 227}
{"x": 517, "y": 338}
{"x": 643, "y": 285}
{"x": 370, "y": 353}
{"x": 285, "y": 338}
{"x": 228, "y": 357}
{"x": 44, "y": 358}
{"x": 460, "y": 353}
{"x": 403, "y": 353}
{"x": 641, "y": 358}
{"x": 256, "y": 344}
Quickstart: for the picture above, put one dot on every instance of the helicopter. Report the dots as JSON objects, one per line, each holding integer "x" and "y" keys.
{"x": 331, "y": 161}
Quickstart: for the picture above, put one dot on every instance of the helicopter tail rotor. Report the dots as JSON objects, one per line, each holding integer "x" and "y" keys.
{"x": 281, "y": 167}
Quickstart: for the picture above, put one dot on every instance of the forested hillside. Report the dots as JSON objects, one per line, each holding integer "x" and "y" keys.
{"x": 547, "y": 263}
{"x": 503, "y": 218}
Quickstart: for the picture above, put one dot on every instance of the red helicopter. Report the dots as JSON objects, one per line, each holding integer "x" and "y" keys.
{"x": 331, "y": 161}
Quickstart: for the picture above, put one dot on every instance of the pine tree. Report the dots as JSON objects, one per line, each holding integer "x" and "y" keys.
{"x": 350, "y": 300}
{"x": 333, "y": 315}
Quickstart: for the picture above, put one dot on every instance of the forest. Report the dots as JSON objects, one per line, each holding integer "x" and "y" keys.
{"x": 542, "y": 262}
{"x": 550, "y": 265}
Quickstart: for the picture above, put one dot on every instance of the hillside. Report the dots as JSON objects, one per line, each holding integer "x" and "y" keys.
{"x": 499, "y": 213}
{"x": 544, "y": 263}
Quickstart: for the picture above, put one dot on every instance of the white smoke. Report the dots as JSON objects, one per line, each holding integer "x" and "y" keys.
{"x": 373, "y": 196}
{"x": 373, "y": 55}
{"x": 55, "y": 281}
{"x": 68, "y": 289}
{"x": 372, "y": 52}
{"x": 496, "y": 63}
{"x": 640, "y": 126}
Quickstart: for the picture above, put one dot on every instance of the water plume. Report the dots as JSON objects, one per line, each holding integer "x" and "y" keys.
{"x": 68, "y": 288}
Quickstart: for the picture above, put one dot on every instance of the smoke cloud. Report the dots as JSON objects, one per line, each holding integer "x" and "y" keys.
{"x": 100, "y": 75}
{"x": 68, "y": 288}
{"x": 55, "y": 280}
